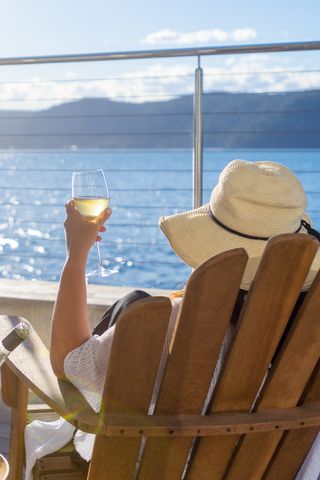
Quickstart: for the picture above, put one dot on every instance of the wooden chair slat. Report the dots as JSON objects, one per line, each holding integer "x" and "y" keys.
{"x": 63, "y": 476}
{"x": 18, "y": 423}
{"x": 9, "y": 386}
{"x": 295, "y": 445}
{"x": 136, "y": 351}
{"x": 58, "y": 463}
{"x": 54, "y": 464}
{"x": 208, "y": 303}
{"x": 284, "y": 386}
{"x": 278, "y": 282}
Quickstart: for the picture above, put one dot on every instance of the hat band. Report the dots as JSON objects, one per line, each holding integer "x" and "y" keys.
{"x": 240, "y": 234}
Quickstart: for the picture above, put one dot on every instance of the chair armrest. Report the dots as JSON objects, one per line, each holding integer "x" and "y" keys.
{"x": 229, "y": 423}
{"x": 30, "y": 362}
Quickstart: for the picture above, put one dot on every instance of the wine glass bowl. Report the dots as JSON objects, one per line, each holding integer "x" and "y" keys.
{"x": 90, "y": 192}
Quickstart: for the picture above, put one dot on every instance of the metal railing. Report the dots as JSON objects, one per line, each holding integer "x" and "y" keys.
{"x": 164, "y": 53}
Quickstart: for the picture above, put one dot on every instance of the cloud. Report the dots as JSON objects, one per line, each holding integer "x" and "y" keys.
{"x": 243, "y": 34}
{"x": 162, "y": 36}
{"x": 167, "y": 36}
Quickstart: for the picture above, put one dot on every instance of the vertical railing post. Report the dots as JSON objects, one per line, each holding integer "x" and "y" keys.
{"x": 197, "y": 138}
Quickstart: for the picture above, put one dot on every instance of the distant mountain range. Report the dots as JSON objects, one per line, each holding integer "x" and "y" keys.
{"x": 231, "y": 120}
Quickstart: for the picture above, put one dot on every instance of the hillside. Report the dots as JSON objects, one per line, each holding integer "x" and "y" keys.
{"x": 284, "y": 120}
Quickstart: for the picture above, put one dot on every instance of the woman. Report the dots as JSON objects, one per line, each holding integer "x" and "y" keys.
{"x": 252, "y": 202}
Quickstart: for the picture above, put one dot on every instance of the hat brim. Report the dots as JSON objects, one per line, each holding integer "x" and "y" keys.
{"x": 195, "y": 237}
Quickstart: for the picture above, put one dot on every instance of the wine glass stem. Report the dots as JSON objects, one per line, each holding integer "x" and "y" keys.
{"x": 99, "y": 255}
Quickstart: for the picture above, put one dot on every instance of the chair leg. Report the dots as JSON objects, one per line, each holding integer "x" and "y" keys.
{"x": 18, "y": 423}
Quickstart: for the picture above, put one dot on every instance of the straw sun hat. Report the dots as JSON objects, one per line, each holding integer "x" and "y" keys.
{"x": 252, "y": 202}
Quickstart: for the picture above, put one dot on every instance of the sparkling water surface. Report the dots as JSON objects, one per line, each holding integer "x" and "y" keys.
{"x": 144, "y": 185}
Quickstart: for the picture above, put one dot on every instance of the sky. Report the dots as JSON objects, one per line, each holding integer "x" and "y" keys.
{"x": 47, "y": 27}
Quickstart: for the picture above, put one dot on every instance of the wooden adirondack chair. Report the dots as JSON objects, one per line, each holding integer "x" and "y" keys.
{"x": 262, "y": 419}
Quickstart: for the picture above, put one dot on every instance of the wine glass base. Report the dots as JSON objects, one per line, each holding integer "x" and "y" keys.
{"x": 102, "y": 272}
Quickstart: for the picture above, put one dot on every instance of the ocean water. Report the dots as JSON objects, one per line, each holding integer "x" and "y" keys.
{"x": 144, "y": 185}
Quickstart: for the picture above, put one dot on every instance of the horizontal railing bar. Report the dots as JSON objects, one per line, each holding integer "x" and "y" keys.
{"x": 97, "y": 79}
{"x": 117, "y": 170}
{"x": 36, "y": 116}
{"x": 120, "y": 151}
{"x": 47, "y": 256}
{"x": 264, "y": 132}
{"x": 269, "y": 92}
{"x": 118, "y": 134}
{"x": 39, "y": 222}
{"x": 120, "y": 170}
{"x": 153, "y": 77}
{"x": 91, "y": 134}
{"x": 260, "y": 112}
{"x": 83, "y": 151}
{"x": 111, "y": 242}
{"x": 59, "y": 189}
{"x": 151, "y": 95}
{"x": 168, "y": 189}
{"x": 163, "y": 208}
{"x": 55, "y": 205}
{"x": 68, "y": 99}
{"x": 261, "y": 72}
{"x": 163, "y": 53}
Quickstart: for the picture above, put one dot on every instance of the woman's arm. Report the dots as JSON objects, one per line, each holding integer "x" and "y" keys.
{"x": 70, "y": 323}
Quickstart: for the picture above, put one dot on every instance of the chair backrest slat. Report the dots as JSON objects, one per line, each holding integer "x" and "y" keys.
{"x": 278, "y": 282}
{"x": 207, "y": 307}
{"x": 136, "y": 351}
{"x": 284, "y": 386}
{"x": 295, "y": 444}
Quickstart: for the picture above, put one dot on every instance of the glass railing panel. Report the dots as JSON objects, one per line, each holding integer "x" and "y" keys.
{"x": 135, "y": 120}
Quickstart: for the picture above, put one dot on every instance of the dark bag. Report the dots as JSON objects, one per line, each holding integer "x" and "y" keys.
{"x": 110, "y": 316}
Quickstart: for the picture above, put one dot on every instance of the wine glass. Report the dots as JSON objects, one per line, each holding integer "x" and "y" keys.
{"x": 90, "y": 194}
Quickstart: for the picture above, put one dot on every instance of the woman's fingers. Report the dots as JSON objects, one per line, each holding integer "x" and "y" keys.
{"x": 103, "y": 217}
{"x": 71, "y": 208}
{"x": 69, "y": 204}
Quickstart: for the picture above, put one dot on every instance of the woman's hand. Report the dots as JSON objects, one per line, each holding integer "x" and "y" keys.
{"x": 81, "y": 233}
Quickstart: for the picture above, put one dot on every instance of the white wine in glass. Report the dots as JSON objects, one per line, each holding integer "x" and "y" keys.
{"x": 90, "y": 194}
{"x": 91, "y": 207}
